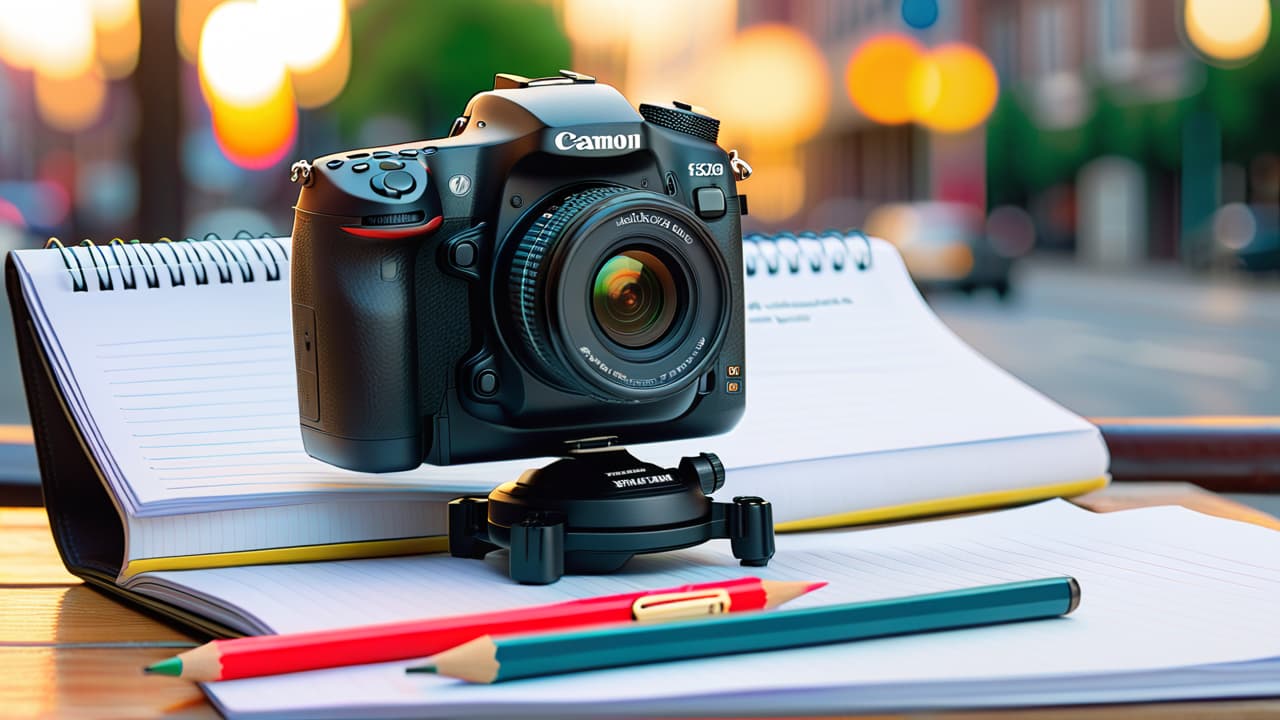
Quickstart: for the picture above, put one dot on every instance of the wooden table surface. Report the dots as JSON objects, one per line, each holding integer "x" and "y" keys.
{"x": 67, "y": 651}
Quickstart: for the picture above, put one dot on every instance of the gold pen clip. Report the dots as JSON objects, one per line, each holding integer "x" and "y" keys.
{"x": 681, "y": 605}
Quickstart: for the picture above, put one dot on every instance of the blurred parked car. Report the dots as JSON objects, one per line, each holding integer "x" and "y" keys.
{"x": 951, "y": 246}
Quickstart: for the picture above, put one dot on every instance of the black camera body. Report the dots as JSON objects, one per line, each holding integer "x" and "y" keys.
{"x": 560, "y": 266}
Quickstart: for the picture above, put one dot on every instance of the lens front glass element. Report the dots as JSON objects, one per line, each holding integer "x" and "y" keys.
{"x": 634, "y": 298}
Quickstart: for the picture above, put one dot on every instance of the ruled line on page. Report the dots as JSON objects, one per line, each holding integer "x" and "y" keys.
{"x": 220, "y": 363}
{"x": 187, "y": 352}
{"x": 192, "y": 338}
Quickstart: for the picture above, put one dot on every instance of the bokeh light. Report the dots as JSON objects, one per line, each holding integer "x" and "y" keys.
{"x": 1234, "y": 226}
{"x": 107, "y": 191}
{"x": 238, "y": 58}
{"x": 322, "y": 22}
{"x": 52, "y": 37}
{"x": 878, "y": 77}
{"x": 920, "y": 14}
{"x": 10, "y": 214}
{"x": 777, "y": 183}
{"x": 259, "y": 136}
{"x": 772, "y": 86}
{"x": 247, "y": 85}
{"x": 1227, "y": 32}
{"x": 18, "y": 38}
{"x": 597, "y": 24}
{"x": 318, "y": 86}
{"x": 954, "y": 88}
{"x": 71, "y": 104}
{"x": 119, "y": 33}
{"x": 191, "y": 17}
{"x": 1011, "y": 230}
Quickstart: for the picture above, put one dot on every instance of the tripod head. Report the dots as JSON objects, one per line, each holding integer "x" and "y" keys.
{"x": 595, "y": 508}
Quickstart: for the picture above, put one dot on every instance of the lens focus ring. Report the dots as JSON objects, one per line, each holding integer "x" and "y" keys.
{"x": 528, "y": 268}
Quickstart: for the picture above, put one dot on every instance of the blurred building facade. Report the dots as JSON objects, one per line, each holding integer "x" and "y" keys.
{"x": 1111, "y": 131}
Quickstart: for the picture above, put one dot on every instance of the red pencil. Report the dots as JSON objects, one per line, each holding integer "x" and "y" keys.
{"x": 276, "y": 654}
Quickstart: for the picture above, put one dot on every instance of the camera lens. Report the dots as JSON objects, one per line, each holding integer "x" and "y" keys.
{"x": 617, "y": 293}
{"x": 634, "y": 298}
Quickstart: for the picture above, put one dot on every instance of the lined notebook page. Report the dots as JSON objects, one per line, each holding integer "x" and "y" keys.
{"x": 1161, "y": 588}
{"x": 187, "y": 392}
{"x": 854, "y": 361}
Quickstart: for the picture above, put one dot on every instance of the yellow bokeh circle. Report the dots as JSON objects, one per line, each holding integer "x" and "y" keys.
{"x": 1227, "y": 30}
{"x": 953, "y": 89}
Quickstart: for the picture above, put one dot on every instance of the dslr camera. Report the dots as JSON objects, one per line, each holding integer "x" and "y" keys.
{"x": 559, "y": 274}
{"x": 560, "y": 266}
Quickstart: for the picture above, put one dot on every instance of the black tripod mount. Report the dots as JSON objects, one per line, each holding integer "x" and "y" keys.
{"x": 598, "y": 506}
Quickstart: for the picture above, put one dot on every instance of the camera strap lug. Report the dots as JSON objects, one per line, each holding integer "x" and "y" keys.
{"x": 300, "y": 170}
{"x": 741, "y": 170}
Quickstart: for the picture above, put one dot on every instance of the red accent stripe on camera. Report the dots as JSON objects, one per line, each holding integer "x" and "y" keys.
{"x": 394, "y": 233}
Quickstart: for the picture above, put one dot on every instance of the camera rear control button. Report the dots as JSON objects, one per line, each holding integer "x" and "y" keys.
{"x": 333, "y": 164}
{"x": 382, "y": 154}
{"x": 391, "y": 165}
{"x": 360, "y": 167}
{"x": 486, "y": 383}
{"x": 709, "y": 202}
{"x": 733, "y": 386}
{"x": 409, "y": 152}
{"x": 463, "y": 254}
{"x": 354, "y": 155}
{"x": 399, "y": 181}
{"x": 378, "y": 183}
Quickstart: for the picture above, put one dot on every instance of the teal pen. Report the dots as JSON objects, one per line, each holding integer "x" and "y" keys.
{"x": 488, "y": 659}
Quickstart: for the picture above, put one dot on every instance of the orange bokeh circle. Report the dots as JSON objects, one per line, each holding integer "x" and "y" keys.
{"x": 878, "y": 77}
{"x": 771, "y": 86}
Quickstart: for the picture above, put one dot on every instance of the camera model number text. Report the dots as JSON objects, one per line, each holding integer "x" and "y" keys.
{"x": 706, "y": 169}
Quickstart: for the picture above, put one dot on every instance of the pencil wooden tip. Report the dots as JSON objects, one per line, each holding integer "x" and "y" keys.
{"x": 778, "y": 592}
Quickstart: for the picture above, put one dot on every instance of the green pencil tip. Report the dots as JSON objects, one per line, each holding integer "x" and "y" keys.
{"x": 423, "y": 669}
{"x": 172, "y": 666}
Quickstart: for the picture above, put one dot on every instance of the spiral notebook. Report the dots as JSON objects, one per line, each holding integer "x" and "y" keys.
{"x": 161, "y": 386}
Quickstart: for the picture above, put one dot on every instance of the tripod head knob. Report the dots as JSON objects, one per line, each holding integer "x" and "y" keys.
{"x": 706, "y": 469}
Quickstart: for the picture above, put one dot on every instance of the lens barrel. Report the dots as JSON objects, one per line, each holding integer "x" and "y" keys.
{"x": 618, "y": 293}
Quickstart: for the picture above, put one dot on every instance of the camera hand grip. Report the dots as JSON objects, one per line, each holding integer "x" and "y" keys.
{"x": 354, "y": 314}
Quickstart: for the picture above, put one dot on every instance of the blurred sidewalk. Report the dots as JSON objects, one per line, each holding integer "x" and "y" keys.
{"x": 1148, "y": 341}
{"x": 1165, "y": 287}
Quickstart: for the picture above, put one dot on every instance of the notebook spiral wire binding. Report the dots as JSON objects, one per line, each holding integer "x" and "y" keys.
{"x": 136, "y": 261}
{"x": 817, "y": 252}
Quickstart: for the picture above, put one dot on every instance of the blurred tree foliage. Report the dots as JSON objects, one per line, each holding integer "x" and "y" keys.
{"x": 424, "y": 60}
{"x": 1246, "y": 101}
{"x": 1024, "y": 159}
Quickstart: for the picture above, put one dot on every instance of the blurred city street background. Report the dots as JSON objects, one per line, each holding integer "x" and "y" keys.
{"x": 1087, "y": 190}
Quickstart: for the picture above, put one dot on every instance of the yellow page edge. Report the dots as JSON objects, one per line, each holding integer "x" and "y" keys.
{"x": 440, "y": 543}
{"x": 297, "y": 553}
{"x": 942, "y": 506}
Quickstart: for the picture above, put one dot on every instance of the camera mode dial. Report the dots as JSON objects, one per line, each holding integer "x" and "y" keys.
{"x": 682, "y": 118}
